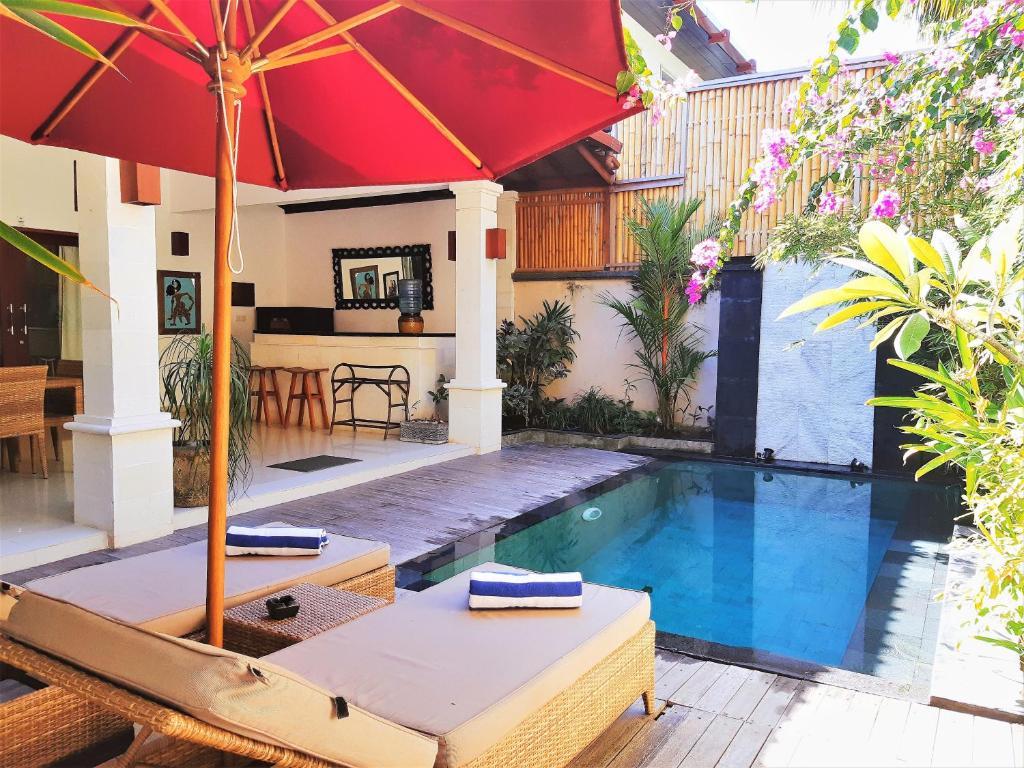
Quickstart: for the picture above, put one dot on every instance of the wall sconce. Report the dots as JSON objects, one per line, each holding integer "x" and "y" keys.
{"x": 451, "y": 245}
{"x": 496, "y": 243}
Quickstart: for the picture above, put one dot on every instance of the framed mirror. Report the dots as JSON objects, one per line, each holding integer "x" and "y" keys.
{"x": 367, "y": 278}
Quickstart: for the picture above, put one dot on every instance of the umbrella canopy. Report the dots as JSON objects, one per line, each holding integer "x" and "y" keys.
{"x": 347, "y": 92}
{"x": 315, "y": 93}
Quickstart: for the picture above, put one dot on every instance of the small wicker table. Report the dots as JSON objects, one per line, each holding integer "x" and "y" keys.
{"x": 249, "y": 630}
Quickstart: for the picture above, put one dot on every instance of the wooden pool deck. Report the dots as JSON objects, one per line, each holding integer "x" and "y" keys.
{"x": 716, "y": 715}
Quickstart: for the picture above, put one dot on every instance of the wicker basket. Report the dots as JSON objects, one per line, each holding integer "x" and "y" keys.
{"x": 191, "y": 476}
{"x": 424, "y": 431}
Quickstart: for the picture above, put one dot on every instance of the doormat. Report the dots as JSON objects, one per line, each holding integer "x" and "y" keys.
{"x": 314, "y": 463}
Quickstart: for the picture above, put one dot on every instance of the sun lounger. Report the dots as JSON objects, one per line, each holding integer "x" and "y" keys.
{"x": 165, "y": 591}
{"x": 425, "y": 682}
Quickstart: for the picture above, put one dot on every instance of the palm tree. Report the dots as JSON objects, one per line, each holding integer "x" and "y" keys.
{"x": 655, "y": 315}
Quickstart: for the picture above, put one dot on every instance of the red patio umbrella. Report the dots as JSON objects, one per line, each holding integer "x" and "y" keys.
{"x": 315, "y": 93}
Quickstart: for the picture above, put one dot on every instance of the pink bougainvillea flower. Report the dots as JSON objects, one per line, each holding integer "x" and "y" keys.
{"x": 987, "y": 88}
{"x": 887, "y": 204}
{"x": 943, "y": 59}
{"x": 766, "y": 198}
{"x": 695, "y": 288}
{"x": 979, "y": 20}
{"x": 1003, "y": 111}
{"x": 830, "y": 204}
{"x": 981, "y": 143}
{"x": 706, "y": 253}
{"x": 892, "y": 58}
{"x": 1010, "y": 30}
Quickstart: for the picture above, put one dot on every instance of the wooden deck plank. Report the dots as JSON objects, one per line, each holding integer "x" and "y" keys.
{"x": 698, "y": 684}
{"x": 684, "y": 728}
{"x": 884, "y": 738}
{"x": 918, "y": 740}
{"x": 724, "y": 688}
{"x": 713, "y": 743}
{"x": 775, "y": 701}
{"x": 603, "y": 750}
{"x": 795, "y": 721}
{"x": 826, "y": 736}
{"x": 954, "y": 739}
{"x": 993, "y": 744}
{"x": 745, "y": 746}
{"x": 674, "y": 678}
{"x": 749, "y": 695}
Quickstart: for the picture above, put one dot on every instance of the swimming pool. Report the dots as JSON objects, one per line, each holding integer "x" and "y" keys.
{"x": 836, "y": 571}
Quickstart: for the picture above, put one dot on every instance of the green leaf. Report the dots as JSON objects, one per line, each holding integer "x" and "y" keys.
{"x": 931, "y": 375}
{"x": 909, "y": 339}
{"x": 51, "y": 261}
{"x": 893, "y": 7}
{"x": 677, "y": 22}
{"x": 926, "y": 254}
{"x": 76, "y": 10}
{"x": 883, "y": 335}
{"x": 945, "y": 458}
{"x": 849, "y": 39}
{"x": 869, "y": 18}
{"x": 62, "y": 35}
{"x": 848, "y": 313}
{"x": 885, "y": 248}
{"x": 624, "y": 81}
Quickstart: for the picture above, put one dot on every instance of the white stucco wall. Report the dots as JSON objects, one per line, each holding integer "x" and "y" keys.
{"x": 603, "y": 355}
{"x": 37, "y": 188}
{"x": 310, "y": 272}
{"x": 812, "y": 387}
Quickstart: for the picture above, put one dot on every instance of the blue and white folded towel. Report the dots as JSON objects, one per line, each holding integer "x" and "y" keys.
{"x": 525, "y": 590}
{"x": 242, "y": 540}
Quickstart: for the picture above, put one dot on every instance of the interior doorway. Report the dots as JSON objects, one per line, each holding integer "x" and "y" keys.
{"x": 32, "y": 298}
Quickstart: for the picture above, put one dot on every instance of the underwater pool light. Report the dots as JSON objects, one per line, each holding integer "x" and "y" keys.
{"x": 590, "y": 514}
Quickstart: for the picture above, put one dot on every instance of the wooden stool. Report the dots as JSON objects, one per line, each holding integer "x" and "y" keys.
{"x": 263, "y": 386}
{"x": 306, "y": 386}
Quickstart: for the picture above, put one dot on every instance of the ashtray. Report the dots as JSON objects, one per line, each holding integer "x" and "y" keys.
{"x": 283, "y": 607}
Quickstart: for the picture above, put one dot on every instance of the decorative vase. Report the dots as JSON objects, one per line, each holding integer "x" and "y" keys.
{"x": 410, "y": 304}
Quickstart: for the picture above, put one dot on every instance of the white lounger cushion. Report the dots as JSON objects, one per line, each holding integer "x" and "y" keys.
{"x": 165, "y": 591}
{"x": 216, "y": 686}
{"x": 466, "y": 677}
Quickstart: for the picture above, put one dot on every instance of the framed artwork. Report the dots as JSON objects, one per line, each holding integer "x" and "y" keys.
{"x": 179, "y": 301}
{"x": 365, "y": 282}
{"x": 391, "y": 285}
{"x": 367, "y": 277}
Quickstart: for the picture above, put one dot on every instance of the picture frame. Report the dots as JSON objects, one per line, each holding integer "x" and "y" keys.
{"x": 410, "y": 261}
{"x": 390, "y": 284}
{"x": 365, "y": 281}
{"x": 179, "y": 302}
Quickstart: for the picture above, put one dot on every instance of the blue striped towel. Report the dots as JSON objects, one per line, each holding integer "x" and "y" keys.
{"x": 242, "y": 540}
{"x": 525, "y": 590}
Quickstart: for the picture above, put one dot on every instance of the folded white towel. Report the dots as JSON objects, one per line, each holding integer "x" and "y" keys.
{"x": 525, "y": 590}
{"x": 288, "y": 541}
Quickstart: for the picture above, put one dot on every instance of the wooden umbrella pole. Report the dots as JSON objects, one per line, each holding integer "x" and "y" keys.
{"x": 226, "y": 84}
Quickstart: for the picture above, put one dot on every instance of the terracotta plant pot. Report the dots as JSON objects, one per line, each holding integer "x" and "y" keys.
{"x": 191, "y": 476}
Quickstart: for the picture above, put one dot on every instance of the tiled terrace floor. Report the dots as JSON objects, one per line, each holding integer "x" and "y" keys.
{"x": 721, "y": 716}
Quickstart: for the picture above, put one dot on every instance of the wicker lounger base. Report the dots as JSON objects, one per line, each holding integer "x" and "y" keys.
{"x": 552, "y": 737}
{"x": 377, "y": 583}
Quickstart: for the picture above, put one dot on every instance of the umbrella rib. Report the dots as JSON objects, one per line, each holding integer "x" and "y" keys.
{"x": 179, "y": 25}
{"x": 89, "y": 79}
{"x": 268, "y": 112}
{"x": 509, "y": 47}
{"x": 218, "y": 28}
{"x": 255, "y": 40}
{"x": 164, "y": 38}
{"x": 334, "y": 27}
{"x": 397, "y": 84}
{"x": 264, "y": 65}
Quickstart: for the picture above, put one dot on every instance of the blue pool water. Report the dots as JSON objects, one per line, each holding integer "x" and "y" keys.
{"x": 809, "y": 567}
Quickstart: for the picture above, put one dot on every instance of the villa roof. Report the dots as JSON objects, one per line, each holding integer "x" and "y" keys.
{"x": 699, "y": 44}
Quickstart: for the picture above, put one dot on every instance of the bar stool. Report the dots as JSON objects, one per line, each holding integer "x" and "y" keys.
{"x": 263, "y": 386}
{"x": 306, "y": 386}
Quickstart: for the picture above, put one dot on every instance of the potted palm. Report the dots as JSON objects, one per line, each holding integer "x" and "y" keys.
{"x": 186, "y": 370}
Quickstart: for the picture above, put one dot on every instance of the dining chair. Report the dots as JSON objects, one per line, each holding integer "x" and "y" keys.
{"x": 22, "y": 390}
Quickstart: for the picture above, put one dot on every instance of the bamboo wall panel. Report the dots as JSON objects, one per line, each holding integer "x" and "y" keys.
{"x": 649, "y": 150}
{"x": 562, "y": 230}
{"x": 722, "y": 137}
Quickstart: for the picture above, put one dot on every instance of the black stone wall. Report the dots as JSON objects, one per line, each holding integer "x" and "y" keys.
{"x": 739, "y": 338}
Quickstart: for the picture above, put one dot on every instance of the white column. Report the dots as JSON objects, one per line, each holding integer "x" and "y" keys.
{"x": 506, "y": 308}
{"x": 474, "y": 409}
{"x": 122, "y": 443}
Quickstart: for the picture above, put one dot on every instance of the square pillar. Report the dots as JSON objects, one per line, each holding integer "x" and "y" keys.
{"x": 122, "y": 443}
{"x": 506, "y": 307}
{"x": 474, "y": 405}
